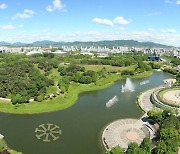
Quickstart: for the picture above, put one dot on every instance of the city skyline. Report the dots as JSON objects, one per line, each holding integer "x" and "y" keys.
{"x": 66, "y": 20}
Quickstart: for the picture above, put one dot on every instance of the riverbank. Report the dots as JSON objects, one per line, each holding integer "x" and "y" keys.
{"x": 64, "y": 101}
{"x": 4, "y": 147}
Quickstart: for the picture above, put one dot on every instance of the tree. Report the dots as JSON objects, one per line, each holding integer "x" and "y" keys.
{"x": 63, "y": 89}
{"x": 157, "y": 116}
{"x": 15, "y": 99}
{"x": 146, "y": 145}
{"x": 48, "y": 55}
{"x": 77, "y": 76}
{"x": 40, "y": 98}
{"x": 133, "y": 148}
{"x": 155, "y": 65}
{"x": 116, "y": 150}
{"x": 160, "y": 148}
{"x": 95, "y": 77}
{"x": 167, "y": 114}
{"x": 170, "y": 70}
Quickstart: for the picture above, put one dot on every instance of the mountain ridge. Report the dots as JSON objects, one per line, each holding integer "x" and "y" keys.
{"x": 128, "y": 43}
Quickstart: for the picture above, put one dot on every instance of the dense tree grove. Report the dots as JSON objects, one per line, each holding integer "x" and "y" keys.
{"x": 169, "y": 132}
{"x": 169, "y": 139}
{"x": 47, "y": 65}
{"x": 116, "y": 60}
{"x": 134, "y": 148}
{"x": 23, "y": 77}
{"x": 20, "y": 80}
{"x": 76, "y": 73}
{"x": 155, "y": 65}
{"x": 170, "y": 70}
{"x": 175, "y": 61}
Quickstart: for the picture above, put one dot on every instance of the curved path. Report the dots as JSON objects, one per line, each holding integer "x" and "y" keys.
{"x": 144, "y": 99}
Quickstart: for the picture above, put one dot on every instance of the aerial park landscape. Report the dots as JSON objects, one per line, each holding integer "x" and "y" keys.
{"x": 89, "y": 77}
{"x": 109, "y": 97}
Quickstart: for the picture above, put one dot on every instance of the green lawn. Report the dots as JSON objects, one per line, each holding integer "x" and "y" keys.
{"x": 54, "y": 75}
{"x": 51, "y": 90}
{"x": 64, "y": 101}
{"x": 108, "y": 67}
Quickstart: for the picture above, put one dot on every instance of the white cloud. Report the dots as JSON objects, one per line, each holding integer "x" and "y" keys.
{"x": 26, "y": 14}
{"x": 3, "y": 6}
{"x": 10, "y": 26}
{"x": 121, "y": 28}
{"x": 19, "y": 26}
{"x": 29, "y": 11}
{"x": 49, "y": 8}
{"x": 151, "y": 29}
{"x": 178, "y": 2}
{"x": 153, "y": 14}
{"x": 46, "y": 31}
{"x": 103, "y": 21}
{"x": 168, "y": 1}
{"x": 56, "y": 5}
{"x": 168, "y": 30}
{"x": 7, "y": 27}
{"x": 120, "y": 20}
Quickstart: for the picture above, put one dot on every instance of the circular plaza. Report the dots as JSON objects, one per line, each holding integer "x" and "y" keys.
{"x": 124, "y": 131}
{"x": 170, "y": 96}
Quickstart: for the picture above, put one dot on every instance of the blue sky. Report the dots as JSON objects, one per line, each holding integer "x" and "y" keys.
{"x": 90, "y": 20}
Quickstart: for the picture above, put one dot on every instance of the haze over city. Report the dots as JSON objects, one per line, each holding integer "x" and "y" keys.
{"x": 67, "y": 20}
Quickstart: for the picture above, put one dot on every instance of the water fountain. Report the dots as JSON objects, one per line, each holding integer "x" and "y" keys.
{"x": 128, "y": 87}
{"x": 112, "y": 101}
{"x": 144, "y": 82}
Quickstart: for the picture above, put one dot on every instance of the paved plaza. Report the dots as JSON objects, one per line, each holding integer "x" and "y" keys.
{"x": 123, "y": 132}
{"x": 172, "y": 96}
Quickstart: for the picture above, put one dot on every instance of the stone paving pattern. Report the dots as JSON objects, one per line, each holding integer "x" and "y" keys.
{"x": 123, "y": 132}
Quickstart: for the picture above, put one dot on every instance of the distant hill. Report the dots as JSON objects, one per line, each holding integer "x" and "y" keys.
{"x": 44, "y": 43}
{"x": 128, "y": 43}
{"x": 5, "y": 43}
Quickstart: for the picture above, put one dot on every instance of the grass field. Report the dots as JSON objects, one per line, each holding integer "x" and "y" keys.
{"x": 51, "y": 90}
{"x": 64, "y": 101}
{"x": 108, "y": 67}
{"x": 54, "y": 75}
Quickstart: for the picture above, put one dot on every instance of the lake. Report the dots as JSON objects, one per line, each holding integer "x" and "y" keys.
{"x": 81, "y": 124}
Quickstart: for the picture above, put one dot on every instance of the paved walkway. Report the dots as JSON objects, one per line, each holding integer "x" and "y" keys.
{"x": 6, "y": 100}
{"x": 144, "y": 99}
